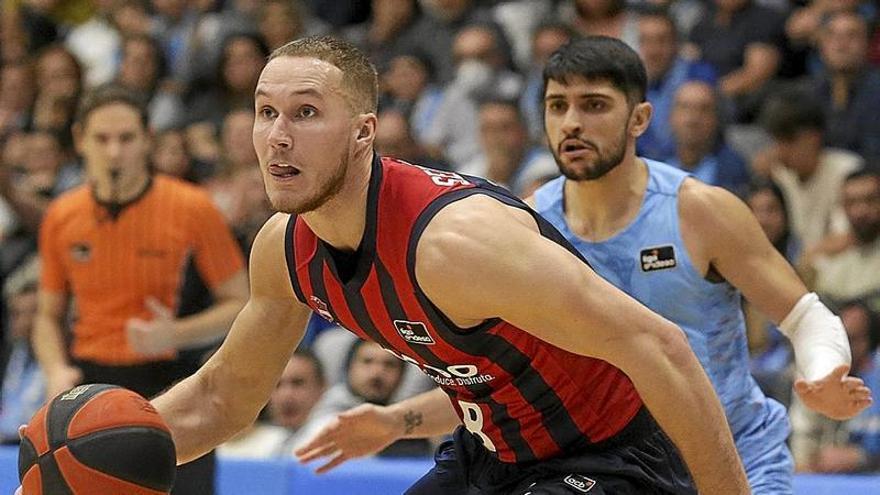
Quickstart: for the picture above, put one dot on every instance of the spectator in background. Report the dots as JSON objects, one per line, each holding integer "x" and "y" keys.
{"x": 35, "y": 178}
{"x": 96, "y": 44}
{"x": 142, "y": 70}
{"x": 280, "y": 21}
{"x": 24, "y": 390}
{"x": 848, "y": 88}
{"x": 548, "y": 37}
{"x": 855, "y": 271}
{"x": 117, "y": 246}
{"x": 298, "y": 390}
{"x": 438, "y": 27}
{"x": 809, "y": 174}
{"x": 408, "y": 86}
{"x": 825, "y": 446}
{"x": 171, "y": 156}
{"x": 16, "y": 96}
{"x": 243, "y": 58}
{"x": 507, "y": 157}
{"x": 743, "y": 41}
{"x": 606, "y": 18}
{"x": 372, "y": 376}
{"x": 59, "y": 83}
{"x": 482, "y": 66}
{"x": 174, "y": 24}
{"x": 667, "y": 72}
{"x": 699, "y": 146}
{"x": 394, "y": 138}
{"x": 389, "y": 30}
{"x": 770, "y": 353}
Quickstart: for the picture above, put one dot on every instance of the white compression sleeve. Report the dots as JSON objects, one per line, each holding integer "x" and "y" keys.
{"x": 818, "y": 337}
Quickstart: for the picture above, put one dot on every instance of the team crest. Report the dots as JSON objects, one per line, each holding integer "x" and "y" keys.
{"x": 414, "y": 332}
{"x": 579, "y": 482}
{"x": 657, "y": 258}
{"x": 81, "y": 252}
{"x": 321, "y": 308}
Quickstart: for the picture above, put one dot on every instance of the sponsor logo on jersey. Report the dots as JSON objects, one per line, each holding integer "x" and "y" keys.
{"x": 460, "y": 375}
{"x": 657, "y": 258}
{"x": 81, "y": 252}
{"x": 414, "y": 332}
{"x": 579, "y": 483}
{"x": 321, "y": 308}
{"x": 444, "y": 178}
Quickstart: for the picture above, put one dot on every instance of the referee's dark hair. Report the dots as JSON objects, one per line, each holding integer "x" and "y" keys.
{"x": 599, "y": 58}
{"x": 109, "y": 94}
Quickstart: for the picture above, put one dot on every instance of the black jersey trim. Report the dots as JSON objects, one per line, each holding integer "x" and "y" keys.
{"x": 290, "y": 256}
{"x": 367, "y": 248}
{"x": 319, "y": 288}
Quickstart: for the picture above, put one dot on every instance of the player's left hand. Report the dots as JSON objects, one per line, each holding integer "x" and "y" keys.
{"x": 837, "y": 395}
{"x": 155, "y": 336}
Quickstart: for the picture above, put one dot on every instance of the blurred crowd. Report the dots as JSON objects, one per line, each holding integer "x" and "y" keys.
{"x": 775, "y": 100}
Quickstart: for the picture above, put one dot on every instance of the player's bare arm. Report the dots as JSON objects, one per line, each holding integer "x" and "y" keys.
{"x": 227, "y": 393}
{"x": 537, "y": 285}
{"x": 721, "y": 234}
{"x": 368, "y": 428}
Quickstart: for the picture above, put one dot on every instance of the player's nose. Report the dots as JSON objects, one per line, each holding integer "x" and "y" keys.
{"x": 279, "y": 135}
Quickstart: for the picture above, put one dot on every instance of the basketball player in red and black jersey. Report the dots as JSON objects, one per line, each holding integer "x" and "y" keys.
{"x": 551, "y": 370}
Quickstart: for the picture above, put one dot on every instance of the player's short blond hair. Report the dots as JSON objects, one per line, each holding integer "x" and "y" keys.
{"x": 360, "y": 82}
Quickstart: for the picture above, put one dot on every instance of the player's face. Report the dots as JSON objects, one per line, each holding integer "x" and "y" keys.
{"x": 374, "y": 374}
{"x": 303, "y": 132}
{"x": 588, "y": 126}
{"x": 112, "y": 140}
{"x": 297, "y": 391}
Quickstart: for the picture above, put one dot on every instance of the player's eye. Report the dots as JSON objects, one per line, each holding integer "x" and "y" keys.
{"x": 268, "y": 113}
{"x": 306, "y": 111}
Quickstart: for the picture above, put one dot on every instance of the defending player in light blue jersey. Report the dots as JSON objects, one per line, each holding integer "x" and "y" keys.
{"x": 684, "y": 249}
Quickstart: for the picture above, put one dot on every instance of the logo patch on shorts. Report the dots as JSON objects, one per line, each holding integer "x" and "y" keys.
{"x": 414, "y": 332}
{"x": 657, "y": 258}
{"x": 579, "y": 482}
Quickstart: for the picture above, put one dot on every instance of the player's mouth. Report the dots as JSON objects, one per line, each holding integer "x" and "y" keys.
{"x": 573, "y": 149}
{"x": 282, "y": 171}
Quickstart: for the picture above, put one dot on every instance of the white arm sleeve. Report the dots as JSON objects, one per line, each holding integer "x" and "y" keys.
{"x": 818, "y": 337}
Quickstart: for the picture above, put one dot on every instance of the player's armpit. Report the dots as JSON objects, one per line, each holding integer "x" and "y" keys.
{"x": 226, "y": 394}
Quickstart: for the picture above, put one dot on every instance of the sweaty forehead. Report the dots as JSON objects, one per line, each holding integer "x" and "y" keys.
{"x": 283, "y": 76}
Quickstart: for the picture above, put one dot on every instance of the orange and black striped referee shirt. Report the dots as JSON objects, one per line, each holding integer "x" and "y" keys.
{"x": 111, "y": 266}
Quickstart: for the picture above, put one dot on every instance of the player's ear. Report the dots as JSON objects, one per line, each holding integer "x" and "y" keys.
{"x": 640, "y": 118}
{"x": 366, "y": 129}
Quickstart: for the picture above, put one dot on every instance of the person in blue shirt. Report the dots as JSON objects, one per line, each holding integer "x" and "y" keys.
{"x": 684, "y": 249}
{"x": 699, "y": 146}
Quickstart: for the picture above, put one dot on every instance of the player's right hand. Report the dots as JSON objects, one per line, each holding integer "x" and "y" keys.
{"x": 61, "y": 379}
{"x": 361, "y": 431}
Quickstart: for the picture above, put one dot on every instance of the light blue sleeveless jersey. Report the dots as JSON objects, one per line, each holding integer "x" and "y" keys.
{"x": 648, "y": 261}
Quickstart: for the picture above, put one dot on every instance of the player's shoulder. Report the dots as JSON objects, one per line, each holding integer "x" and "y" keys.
{"x": 706, "y": 208}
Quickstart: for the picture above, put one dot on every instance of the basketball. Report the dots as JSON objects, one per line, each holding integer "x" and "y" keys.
{"x": 97, "y": 440}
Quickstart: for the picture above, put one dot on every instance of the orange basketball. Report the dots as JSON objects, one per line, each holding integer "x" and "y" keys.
{"x": 97, "y": 440}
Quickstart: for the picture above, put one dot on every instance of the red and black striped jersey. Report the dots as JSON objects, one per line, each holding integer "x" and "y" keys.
{"x": 526, "y": 399}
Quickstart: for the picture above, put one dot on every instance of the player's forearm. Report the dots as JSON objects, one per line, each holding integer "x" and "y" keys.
{"x": 198, "y": 417}
{"x": 429, "y": 414}
{"x": 679, "y": 395}
{"x": 208, "y": 325}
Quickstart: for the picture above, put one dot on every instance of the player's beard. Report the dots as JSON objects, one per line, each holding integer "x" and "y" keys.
{"x": 323, "y": 192}
{"x": 604, "y": 162}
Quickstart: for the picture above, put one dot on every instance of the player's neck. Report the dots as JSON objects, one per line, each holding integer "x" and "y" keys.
{"x": 597, "y": 210}
{"x": 341, "y": 221}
